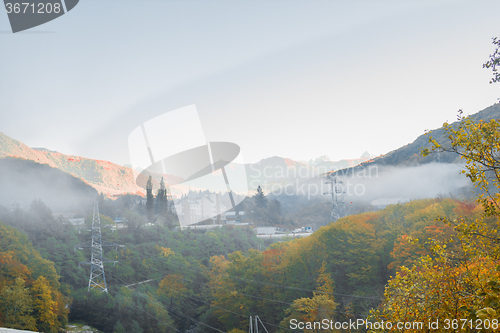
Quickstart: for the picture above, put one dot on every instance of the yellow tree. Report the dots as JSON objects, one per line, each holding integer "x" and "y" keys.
{"x": 230, "y": 293}
{"x": 458, "y": 284}
{"x": 11, "y": 268}
{"x": 315, "y": 313}
{"x": 218, "y": 265}
{"x": 16, "y": 306}
{"x": 173, "y": 289}
{"x": 437, "y": 290}
{"x": 478, "y": 144}
{"x": 44, "y": 306}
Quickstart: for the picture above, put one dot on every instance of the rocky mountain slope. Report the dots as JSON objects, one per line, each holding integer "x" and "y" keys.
{"x": 104, "y": 176}
{"x": 113, "y": 180}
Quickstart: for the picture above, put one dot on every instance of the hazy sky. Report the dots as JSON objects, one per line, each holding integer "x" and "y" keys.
{"x": 296, "y": 79}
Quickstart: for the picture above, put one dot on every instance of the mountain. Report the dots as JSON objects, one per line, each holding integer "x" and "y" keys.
{"x": 23, "y": 181}
{"x": 275, "y": 168}
{"x": 106, "y": 177}
{"x": 342, "y": 164}
{"x": 112, "y": 179}
{"x": 404, "y": 174}
{"x": 275, "y": 172}
{"x": 409, "y": 155}
{"x": 324, "y": 162}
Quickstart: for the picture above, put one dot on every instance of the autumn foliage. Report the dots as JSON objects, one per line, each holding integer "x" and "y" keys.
{"x": 29, "y": 286}
{"x": 456, "y": 279}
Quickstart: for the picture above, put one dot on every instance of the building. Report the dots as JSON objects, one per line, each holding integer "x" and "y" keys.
{"x": 232, "y": 217}
{"x": 77, "y": 222}
{"x": 198, "y": 207}
{"x": 279, "y": 233}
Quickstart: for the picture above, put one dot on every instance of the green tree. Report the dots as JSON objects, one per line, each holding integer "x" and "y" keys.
{"x": 161, "y": 199}
{"x": 136, "y": 327}
{"x": 317, "y": 308}
{"x": 149, "y": 200}
{"x": 118, "y": 328}
{"x": 274, "y": 211}
{"x": 133, "y": 221}
{"x": 259, "y": 198}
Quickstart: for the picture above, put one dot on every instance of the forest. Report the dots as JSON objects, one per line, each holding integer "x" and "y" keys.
{"x": 433, "y": 261}
{"x": 213, "y": 280}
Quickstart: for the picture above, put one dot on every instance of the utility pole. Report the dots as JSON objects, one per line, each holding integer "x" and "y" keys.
{"x": 97, "y": 279}
{"x": 337, "y": 192}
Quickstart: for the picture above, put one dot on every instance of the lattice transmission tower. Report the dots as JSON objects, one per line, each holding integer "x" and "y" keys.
{"x": 97, "y": 279}
{"x": 337, "y": 192}
{"x": 254, "y": 327}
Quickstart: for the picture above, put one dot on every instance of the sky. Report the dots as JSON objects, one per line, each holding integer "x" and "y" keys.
{"x": 296, "y": 79}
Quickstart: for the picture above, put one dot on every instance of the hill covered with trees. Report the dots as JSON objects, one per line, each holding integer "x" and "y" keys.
{"x": 24, "y": 180}
{"x": 219, "y": 278}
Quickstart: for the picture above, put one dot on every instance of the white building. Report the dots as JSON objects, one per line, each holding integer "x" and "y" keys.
{"x": 77, "y": 222}
{"x": 197, "y": 207}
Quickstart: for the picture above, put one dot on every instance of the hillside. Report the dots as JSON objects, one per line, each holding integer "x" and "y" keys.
{"x": 113, "y": 180}
{"x": 409, "y": 155}
{"x": 25, "y": 273}
{"x": 24, "y": 181}
{"x": 104, "y": 176}
{"x": 273, "y": 172}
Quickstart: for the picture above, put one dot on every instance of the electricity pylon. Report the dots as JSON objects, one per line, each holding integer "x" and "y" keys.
{"x": 254, "y": 327}
{"x": 97, "y": 278}
{"x": 337, "y": 192}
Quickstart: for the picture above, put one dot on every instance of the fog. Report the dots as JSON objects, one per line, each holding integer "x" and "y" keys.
{"x": 366, "y": 184}
{"x": 23, "y": 181}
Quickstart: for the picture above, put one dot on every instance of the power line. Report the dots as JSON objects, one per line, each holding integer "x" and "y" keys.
{"x": 263, "y": 298}
{"x": 212, "y": 305}
{"x": 149, "y": 314}
{"x": 244, "y": 294}
{"x": 174, "y": 313}
{"x": 228, "y": 291}
{"x": 279, "y": 285}
{"x": 171, "y": 308}
{"x": 296, "y": 288}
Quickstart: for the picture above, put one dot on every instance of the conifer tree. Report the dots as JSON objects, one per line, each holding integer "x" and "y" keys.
{"x": 149, "y": 200}
{"x": 260, "y": 198}
{"x": 161, "y": 199}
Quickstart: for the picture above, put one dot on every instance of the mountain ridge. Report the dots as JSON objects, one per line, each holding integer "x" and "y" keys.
{"x": 106, "y": 177}
{"x": 115, "y": 180}
{"x": 409, "y": 154}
